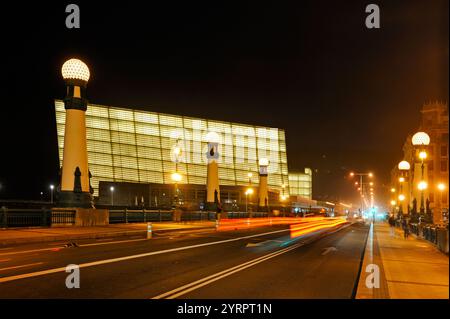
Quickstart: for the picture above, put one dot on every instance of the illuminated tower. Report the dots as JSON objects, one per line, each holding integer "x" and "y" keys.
{"x": 212, "y": 179}
{"x": 263, "y": 191}
{"x": 75, "y": 190}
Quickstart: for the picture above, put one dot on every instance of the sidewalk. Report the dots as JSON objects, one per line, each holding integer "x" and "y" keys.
{"x": 409, "y": 268}
{"x": 37, "y": 235}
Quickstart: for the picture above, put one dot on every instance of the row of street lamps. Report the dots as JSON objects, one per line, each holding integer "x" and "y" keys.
{"x": 420, "y": 141}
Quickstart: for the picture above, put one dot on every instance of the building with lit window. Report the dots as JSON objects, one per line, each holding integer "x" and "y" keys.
{"x": 132, "y": 150}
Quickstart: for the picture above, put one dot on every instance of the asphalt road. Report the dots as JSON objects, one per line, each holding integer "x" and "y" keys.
{"x": 255, "y": 263}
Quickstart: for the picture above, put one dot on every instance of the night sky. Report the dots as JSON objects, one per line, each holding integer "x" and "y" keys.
{"x": 346, "y": 95}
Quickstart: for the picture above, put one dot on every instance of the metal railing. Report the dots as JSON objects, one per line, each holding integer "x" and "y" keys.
{"x": 28, "y": 217}
{"x": 117, "y": 216}
{"x": 433, "y": 233}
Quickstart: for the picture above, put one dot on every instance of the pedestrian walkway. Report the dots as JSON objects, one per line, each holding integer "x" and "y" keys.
{"x": 409, "y": 268}
{"x": 36, "y": 235}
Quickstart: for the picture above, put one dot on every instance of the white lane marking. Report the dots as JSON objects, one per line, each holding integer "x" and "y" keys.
{"x": 113, "y": 242}
{"x": 21, "y": 266}
{"x": 28, "y": 251}
{"x": 263, "y": 243}
{"x": 328, "y": 249}
{"x": 225, "y": 273}
{"x": 53, "y": 248}
{"x": 114, "y": 260}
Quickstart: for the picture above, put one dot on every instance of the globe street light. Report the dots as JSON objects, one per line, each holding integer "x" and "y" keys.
{"x": 420, "y": 139}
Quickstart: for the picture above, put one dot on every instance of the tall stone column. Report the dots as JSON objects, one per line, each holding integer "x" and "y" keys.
{"x": 75, "y": 190}
{"x": 212, "y": 179}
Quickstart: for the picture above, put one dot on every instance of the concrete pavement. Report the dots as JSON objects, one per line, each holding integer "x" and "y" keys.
{"x": 37, "y": 235}
{"x": 409, "y": 268}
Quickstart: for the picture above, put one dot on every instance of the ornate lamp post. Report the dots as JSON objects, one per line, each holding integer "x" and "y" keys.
{"x": 403, "y": 167}
{"x": 420, "y": 140}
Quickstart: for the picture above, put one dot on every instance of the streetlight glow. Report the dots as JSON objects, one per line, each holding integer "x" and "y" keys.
{"x": 423, "y": 155}
{"x": 401, "y": 179}
{"x": 392, "y": 190}
{"x": 401, "y": 197}
{"x": 422, "y": 185}
{"x": 393, "y": 202}
{"x": 176, "y": 177}
{"x": 441, "y": 186}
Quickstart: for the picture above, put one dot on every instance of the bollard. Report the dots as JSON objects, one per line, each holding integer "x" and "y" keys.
{"x": 149, "y": 230}
{"x": 217, "y": 224}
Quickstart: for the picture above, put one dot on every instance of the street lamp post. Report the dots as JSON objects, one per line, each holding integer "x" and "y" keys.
{"x": 361, "y": 175}
{"x": 176, "y": 178}
{"x": 248, "y": 192}
{"x": 441, "y": 187}
{"x": 420, "y": 140}
{"x": 403, "y": 167}
{"x": 51, "y": 193}
{"x": 111, "y": 189}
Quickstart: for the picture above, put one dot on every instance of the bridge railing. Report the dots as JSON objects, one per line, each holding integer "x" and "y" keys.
{"x": 31, "y": 217}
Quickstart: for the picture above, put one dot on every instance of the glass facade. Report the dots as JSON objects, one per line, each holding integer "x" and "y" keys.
{"x": 300, "y": 184}
{"x": 126, "y": 145}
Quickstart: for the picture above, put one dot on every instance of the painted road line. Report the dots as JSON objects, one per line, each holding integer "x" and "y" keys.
{"x": 21, "y": 266}
{"x": 119, "y": 259}
{"x": 112, "y": 242}
{"x": 217, "y": 276}
{"x": 29, "y": 251}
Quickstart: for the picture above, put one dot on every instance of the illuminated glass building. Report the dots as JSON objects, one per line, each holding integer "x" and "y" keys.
{"x": 300, "y": 184}
{"x": 131, "y": 146}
